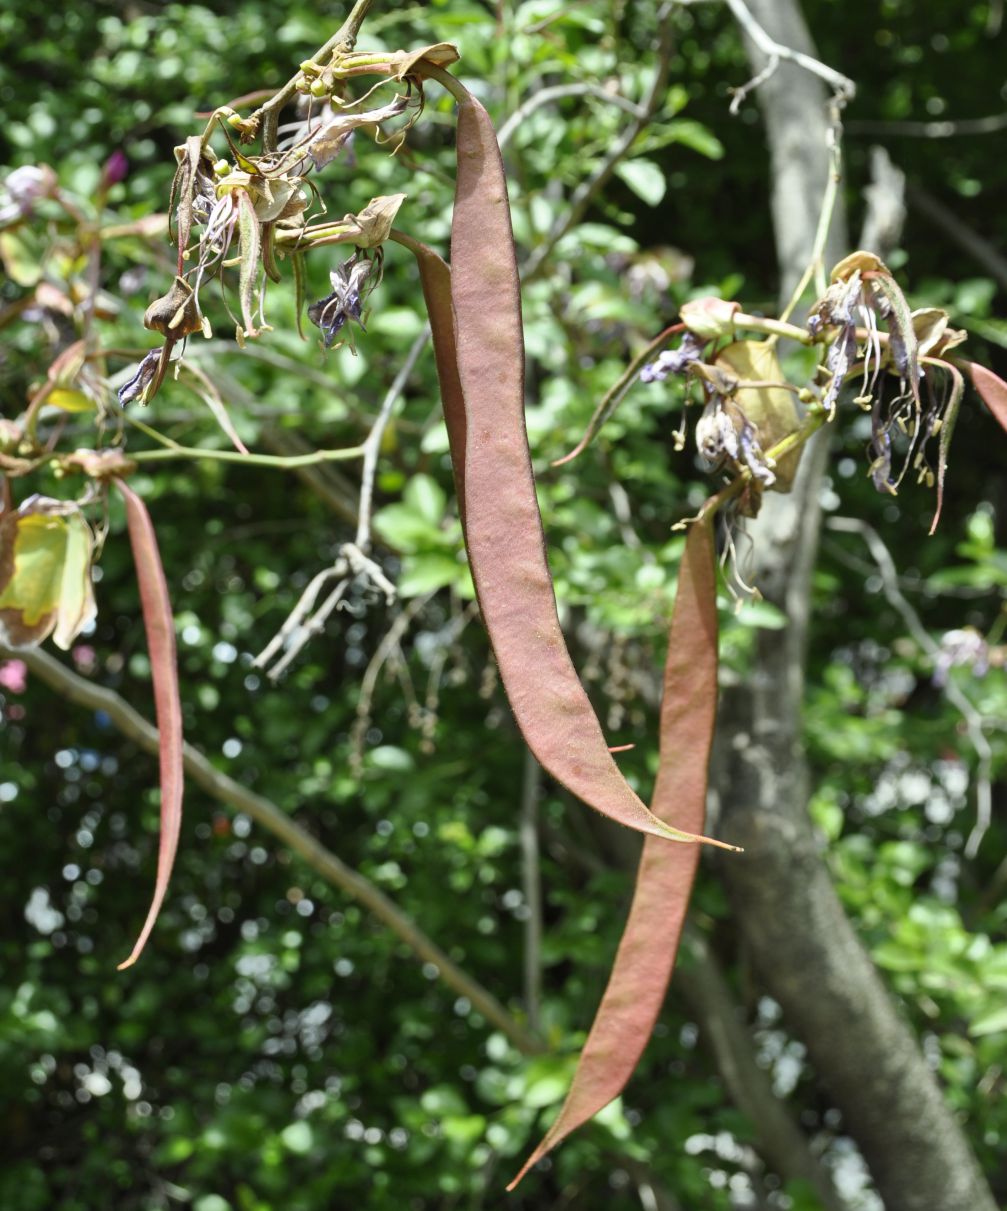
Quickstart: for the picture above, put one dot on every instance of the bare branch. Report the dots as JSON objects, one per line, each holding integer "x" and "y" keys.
{"x": 352, "y": 561}
{"x": 779, "y": 1139}
{"x": 942, "y": 129}
{"x": 967, "y": 238}
{"x": 531, "y": 886}
{"x": 557, "y": 92}
{"x": 844, "y": 90}
{"x": 233, "y": 795}
{"x": 388, "y": 645}
{"x": 372, "y": 446}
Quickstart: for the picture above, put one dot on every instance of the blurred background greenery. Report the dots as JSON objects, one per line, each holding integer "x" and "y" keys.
{"x": 276, "y": 1048}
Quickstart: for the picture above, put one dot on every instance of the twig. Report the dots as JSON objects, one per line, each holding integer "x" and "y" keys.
{"x": 816, "y": 262}
{"x": 388, "y": 645}
{"x": 232, "y": 794}
{"x": 352, "y": 560}
{"x": 556, "y": 93}
{"x": 971, "y": 717}
{"x": 942, "y": 129}
{"x": 584, "y": 194}
{"x": 778, "y": 1138}
{"x": 343, "y": 40}
{"x": 278, "y": 462}
{"x": 372, "y": 446}
{"x": 967, "y": 238}
{"x": 844, "y": 90}
{"x": 531, "y": 886}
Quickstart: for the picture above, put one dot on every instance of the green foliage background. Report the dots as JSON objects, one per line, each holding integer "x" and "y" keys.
{"x": 275, "y": 1048}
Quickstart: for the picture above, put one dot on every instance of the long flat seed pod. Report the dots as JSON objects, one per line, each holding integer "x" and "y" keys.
{"x": 649, "y": 944}
{"x": 503, "y": 527}
{"x": 160, "y": 628}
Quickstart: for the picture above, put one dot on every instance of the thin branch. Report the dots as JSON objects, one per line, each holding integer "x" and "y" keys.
{"x": 372, "y": 446}
{"x": 843, "y": 88}
{"x": 382, "y": 653}
{"x": 971, "y": 717}
{"x": 779, "y": 1140}
{"x": 131, "y": 724}
{"x": 531, "y": 886}
{"x": 343, "y": 40}
{"x": 337, "y": 490}
{"x": 173, "y": 453}
{"x": 556, "y": 93}
{"x": 352, "y": 560}
{"x": 584, "y": 194}
{"x": 941, "y": 129}
{"x": 967, "y": 238}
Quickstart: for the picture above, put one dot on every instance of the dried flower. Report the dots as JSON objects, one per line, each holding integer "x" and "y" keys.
{"x": 351, "y": 284}
{"x": 673, "y": 361}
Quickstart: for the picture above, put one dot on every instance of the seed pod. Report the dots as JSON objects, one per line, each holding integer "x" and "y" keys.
{"x": 649, "y": 944}
{"x": 503, "y": 527}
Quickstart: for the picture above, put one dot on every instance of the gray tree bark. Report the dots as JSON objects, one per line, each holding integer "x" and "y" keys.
{"x": 792, "y": 921}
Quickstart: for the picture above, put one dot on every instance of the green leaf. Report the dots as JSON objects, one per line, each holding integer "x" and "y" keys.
{"x": 688, "y": 133}
{"x": 992, "y": 1022}
{"x": 426, "y": 573}
{"x": 298, "y": 1138}
{"x": 69, "y": 399}
{"x": 426, "y": 497}
{"x": 645, "y": 179}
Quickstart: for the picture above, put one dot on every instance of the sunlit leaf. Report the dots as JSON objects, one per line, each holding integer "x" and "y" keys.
{"x": 45, "y": 574}
{"x": 69, "y": 399}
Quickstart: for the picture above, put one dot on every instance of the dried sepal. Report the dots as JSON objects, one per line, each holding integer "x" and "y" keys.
{"x": 709, "y": 318}
{"x": 250, "y": 233}
{"x": 175, "y": 314}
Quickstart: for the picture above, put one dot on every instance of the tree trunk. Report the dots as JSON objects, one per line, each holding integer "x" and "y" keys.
{"x": 783, "y": 898}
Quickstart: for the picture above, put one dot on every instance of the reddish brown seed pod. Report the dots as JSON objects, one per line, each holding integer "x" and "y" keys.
{"x": 646, "y": 956}
{"x": 503, "y": 527}
{"x": 160, "y": 628}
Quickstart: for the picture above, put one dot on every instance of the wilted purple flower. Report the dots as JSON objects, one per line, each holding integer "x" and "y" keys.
{"x": 724, "y": 432}
{"x": 351, "y": 283}
{"x": 673, "y": 361}
{"x": 136, "y": 386}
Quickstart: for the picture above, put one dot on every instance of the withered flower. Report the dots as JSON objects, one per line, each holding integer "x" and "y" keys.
{"x": 351, "y": 283}
{"x": 137, "y": 385}
{"x": 673, "y": 361}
